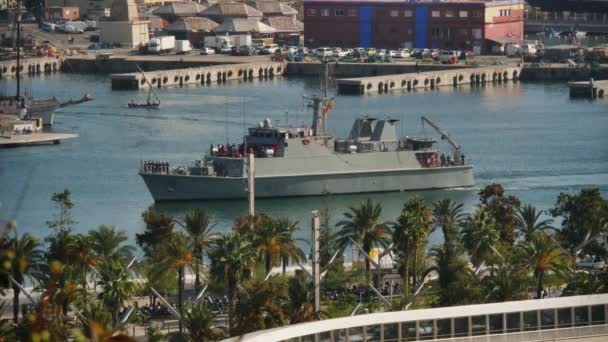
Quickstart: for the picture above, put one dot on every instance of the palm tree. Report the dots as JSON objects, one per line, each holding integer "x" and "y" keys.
{"x": 116, "y": 284}
{"x": 411, "y": 229}
{"x": 528, "y": 221}
{"x": 197, "y": 224}
{"x": 232, "y": 260}
{"x": 289, "y": 249}
{"x": 507, "y": 283}
{"x": 362, "y": 225}
{"x": 82, "y": 260}
{"x": 107, "y": 242}
{"x": 447, "y": 216}
{"x": 544, "y": 255}
{"x": 176, "y": 254}
{"x": 198, "y": 319}
{"x": 266, "y": 241}
{"x": 456, "y": 282}
{"x": 27, "y": 258}
{"x": 480, "y": 236}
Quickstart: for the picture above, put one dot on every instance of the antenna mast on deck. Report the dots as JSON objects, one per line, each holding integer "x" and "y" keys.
{"x": 319, "y": 105}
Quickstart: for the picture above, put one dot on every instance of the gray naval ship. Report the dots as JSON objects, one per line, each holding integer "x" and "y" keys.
{"x": 305, "y": 161}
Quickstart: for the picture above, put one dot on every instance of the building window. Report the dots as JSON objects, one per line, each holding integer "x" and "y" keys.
{"x": 449, "y": 14}
{"x": 435, "y": 14}
{"x": 464, "y": 14}
{"x": 435, "y": 33}
{"x": 324, "y": 12}
{"x": 476, "y": 33}
{"x": 394, "y": 30}
{"x": 476, "y": 14}
{"x": 394, "y": 13}
{"x": 381, "y": 13}
{"x": 312, "y": 12}
{"x": 352, "y": 12}
{"x": 339, "y": 12}
{"x": 408, "y": 13}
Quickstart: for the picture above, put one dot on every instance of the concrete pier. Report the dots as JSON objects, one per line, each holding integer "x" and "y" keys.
{"x": 590, "y": 89}
{"x": 432, "y": 79}
{"x": 201, "y": 76}
{"x": 35, "y": 138}
{"x": 30, "y": 66}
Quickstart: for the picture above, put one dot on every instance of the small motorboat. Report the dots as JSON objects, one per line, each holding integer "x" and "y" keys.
{"x": 152, "y": 105}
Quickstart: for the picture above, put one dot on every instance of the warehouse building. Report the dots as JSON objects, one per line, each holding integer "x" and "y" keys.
{"x": 481, "y": 26}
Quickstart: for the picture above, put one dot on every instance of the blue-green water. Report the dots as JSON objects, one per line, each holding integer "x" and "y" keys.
{"x": 530, "y": 137}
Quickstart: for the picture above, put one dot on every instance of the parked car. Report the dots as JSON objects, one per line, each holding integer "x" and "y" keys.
{"x": 247, "y": 51}
{"x": 370, "y": 51}
{"x": 416, "y": 53}
{"x": 269, "y": 49}
{"x": 435, "y": 54}
{"x": 323, "y": 52}
{"x": 466, "y": 54}
{"x": 303, "y": 51}
{"x": 392, "y": 53}
{"x": 381, "y": 52}
{"x": 448, "y": 57}
{"x": 207, "y": 51}
{"x": 403, "y": 53}
{"x": 292, "y": 49}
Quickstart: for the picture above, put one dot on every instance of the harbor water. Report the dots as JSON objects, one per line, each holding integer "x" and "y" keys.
{"x": 531, "y": 137}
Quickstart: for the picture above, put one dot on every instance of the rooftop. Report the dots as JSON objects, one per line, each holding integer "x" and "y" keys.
{"x": 193, "y": 24}
{"x": 271, "y": 7}
{"x": 244, "y": 25}
{"x": 424, "y": 2}
{"x": 180, "y": 9}
{"x": 231, "y": 9}
{"x": 285, "y": 24}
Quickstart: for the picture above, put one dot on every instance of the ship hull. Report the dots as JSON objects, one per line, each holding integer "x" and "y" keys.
{"x": 165, "y": 187}
{"x": 44, "y": 109}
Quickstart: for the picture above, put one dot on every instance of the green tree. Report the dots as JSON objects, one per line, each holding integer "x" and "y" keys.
{"x": 175, "y": 254}
{"x": 362, "y": 225}
{"x": 586, "y": 283}
{"x": 81, "y": 261}
{"x": 232, "y": 260}
{"x": 197, "y": 224}
{"x": 480, "y": 236}
{"x": 409, "y": 233}
{"x": 159, "y": 227}
{"x": 116, "y": 286}
{"x": 447, "y": 215}
{"x": 259, "y": 306}
{"x": 25, "y": 263}
{"x": 287, "y": 243}
{"x": 544, "y": 255}
{"x": 198, "y": 320}
{"x": 457, "y": 284}
{"x": 107, "y": 242}
{"x": 503, "y": 209}
{"x": 584, "y": 218}
{"x": 64, "y": 220}
{"x": 506, "y": 283}
{"x": 528, "y": 221}
{"x": 299, "y": 308}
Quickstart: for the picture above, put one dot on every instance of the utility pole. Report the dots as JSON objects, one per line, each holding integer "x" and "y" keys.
{"x": 316, "y": 269}
{"x": 251, "y": 182}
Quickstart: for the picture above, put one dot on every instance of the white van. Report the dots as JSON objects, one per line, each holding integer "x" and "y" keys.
{"x": 269, "y": 49}
{"x": 324, "y": 52}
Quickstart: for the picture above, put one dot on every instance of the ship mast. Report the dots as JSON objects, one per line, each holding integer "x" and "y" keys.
{"x": 318, "y": 101}
{"x": 18, "y": 45}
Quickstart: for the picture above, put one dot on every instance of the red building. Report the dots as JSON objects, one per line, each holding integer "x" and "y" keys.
{"x": 477, "y": 25}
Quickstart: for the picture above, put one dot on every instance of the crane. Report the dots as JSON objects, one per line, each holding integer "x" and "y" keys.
{"x": 444, "y": 135}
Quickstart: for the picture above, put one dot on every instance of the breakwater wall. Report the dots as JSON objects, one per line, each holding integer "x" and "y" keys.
{"x": 127, "y": 65}
{"x": 430, "y": 79}
{"x": 563, "y": 73}
{"x": 200, "y": 76}
{"x": 30, "y": 66}
{"x": 344, "y": 70}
